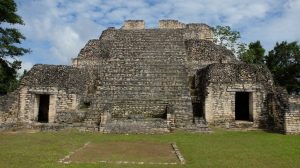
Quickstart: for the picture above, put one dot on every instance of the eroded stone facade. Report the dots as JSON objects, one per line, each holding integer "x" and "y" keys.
{"x": 138, "y": 80}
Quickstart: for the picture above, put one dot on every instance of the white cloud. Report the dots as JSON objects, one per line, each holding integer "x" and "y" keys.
{"x": 25, "y": 65}
{"x": 65, "y": 42}
{"x": 65, "y": 26}
{"x": 281, "y": 27}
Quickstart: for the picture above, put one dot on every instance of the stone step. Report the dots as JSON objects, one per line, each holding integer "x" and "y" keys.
{"x": 142, "y": 51}
{"x": 149, "y": 57}
{"x": 134, "y": 101}
{"x": 153, "y": 77}
{"x": 120, "y": 97}
{"x": 148, "y": 35}
{"x": 143, "y": 69}
{"x": 139, "y": 89}
{"x": 150, "y": 45}
{"x": 153, "y": 41}
{"x": 146, "y": 89}
{"x": 151, "y": 61}
{"x": 136, "y": 126}
{"x": 132, "y": 79}
{"x": 146, "y": 69}
{"x": 106, "y": 79}
{"x": 146, "y": 82}
{"x": 242, "y": 124}
{"x": 200, "y": 122}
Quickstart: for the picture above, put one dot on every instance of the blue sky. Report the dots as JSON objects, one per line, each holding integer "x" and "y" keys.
{"x": 56, "y": 30}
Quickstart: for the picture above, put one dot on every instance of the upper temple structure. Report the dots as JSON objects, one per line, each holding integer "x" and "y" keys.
{"x": 139, "y": 80}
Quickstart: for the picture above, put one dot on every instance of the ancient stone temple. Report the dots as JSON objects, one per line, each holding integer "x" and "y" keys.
{"x": 140, "y": 80}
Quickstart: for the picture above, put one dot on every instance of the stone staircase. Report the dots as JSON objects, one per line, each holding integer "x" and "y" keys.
{"x": 199, "y": 125}
{"x": 145, "y": 72}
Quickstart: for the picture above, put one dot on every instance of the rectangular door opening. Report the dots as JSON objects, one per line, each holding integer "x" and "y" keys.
{"x": 43, "y": 115}
{"x": 197, "y": 110}
{"x": 242, "y": 109}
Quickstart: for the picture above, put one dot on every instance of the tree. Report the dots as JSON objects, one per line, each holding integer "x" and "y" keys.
{"x": 224, "y": 36}
{"x": 253, "y": 55}
{"x": 8, "y": 76}
{"x": 284, "y": 63}
{"x": 10, "y": 38}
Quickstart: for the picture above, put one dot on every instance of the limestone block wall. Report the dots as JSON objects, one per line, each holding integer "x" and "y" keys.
{"x": 145, "y": 72}
{"x": 144, "y": 110}
{"x": 201, "y": 53}
{"x": 133, "y": 24}
{"x": 29, "y": 103}
{"x": 9, "y": 108}
{"x": 171, "y": 24}
{"x": 292, "y": 117}
{"x": 198, "y": 31}
{"x": 95, "y": 49}
{"x": 85, "y": 62}
{"x": 108, "y": 34}
{"x": 139, "y": 70}
{"x": 218, "y": 84}
{"x": 277, "y": 106}
{"x": 59, "y": 101}
{"x": 219, "y": 106}
{"x": 65, "y": 86}
{"x": 136, "y": 126}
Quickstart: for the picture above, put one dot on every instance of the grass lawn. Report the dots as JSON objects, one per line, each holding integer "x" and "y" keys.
{"x": 219, "y": 149}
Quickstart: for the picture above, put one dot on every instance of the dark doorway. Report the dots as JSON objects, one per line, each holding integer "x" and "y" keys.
{"x": 43, "y": 109}
{"x": 242, "y": 106}
{"x": 197, "y": 110}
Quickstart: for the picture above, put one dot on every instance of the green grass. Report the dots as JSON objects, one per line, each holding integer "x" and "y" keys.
{"x": 219, "y": 149}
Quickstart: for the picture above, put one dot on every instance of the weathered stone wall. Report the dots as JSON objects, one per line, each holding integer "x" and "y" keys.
{"x": 145, "y": 72}
{"x": 217, "y": 85}
{"x": 144, "y": 80}
{"x": 71, "y": 117}
{"x": 65, "y": 86}
{"x": 9, "y": 108}
{"x": 61, "y": 76}
{"x": 292, "y": 117}
{"x": 136, "y": 126}
{"x": 144, "y": 110}
{"x": 121, "y": 86}
{"x": 198, "y": 32}
{"x": 236, "y": 73}
{"x": 171, "y": 24}
{"x": 201, "y": 53}
{"x": 95, "y": 49}
{"x": 29, "y": 103}
{"x": 133, "y": 24}
{"x": 276, "y": 104}
{"x": 220, "y": 103}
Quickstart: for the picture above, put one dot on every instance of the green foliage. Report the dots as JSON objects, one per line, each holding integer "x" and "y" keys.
{"x": 283, "y": 60}
{"x": 8, "y": 9}
{"x": 224, "y": 36}
{"x": 8, "y": 76}
{"x": 253, "y": 55}
{"x": 284, "y": 63}
{"x": 10, "y": 38}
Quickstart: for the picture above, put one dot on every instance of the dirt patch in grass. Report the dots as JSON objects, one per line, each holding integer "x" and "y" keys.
{"x": 141, "y": 151}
